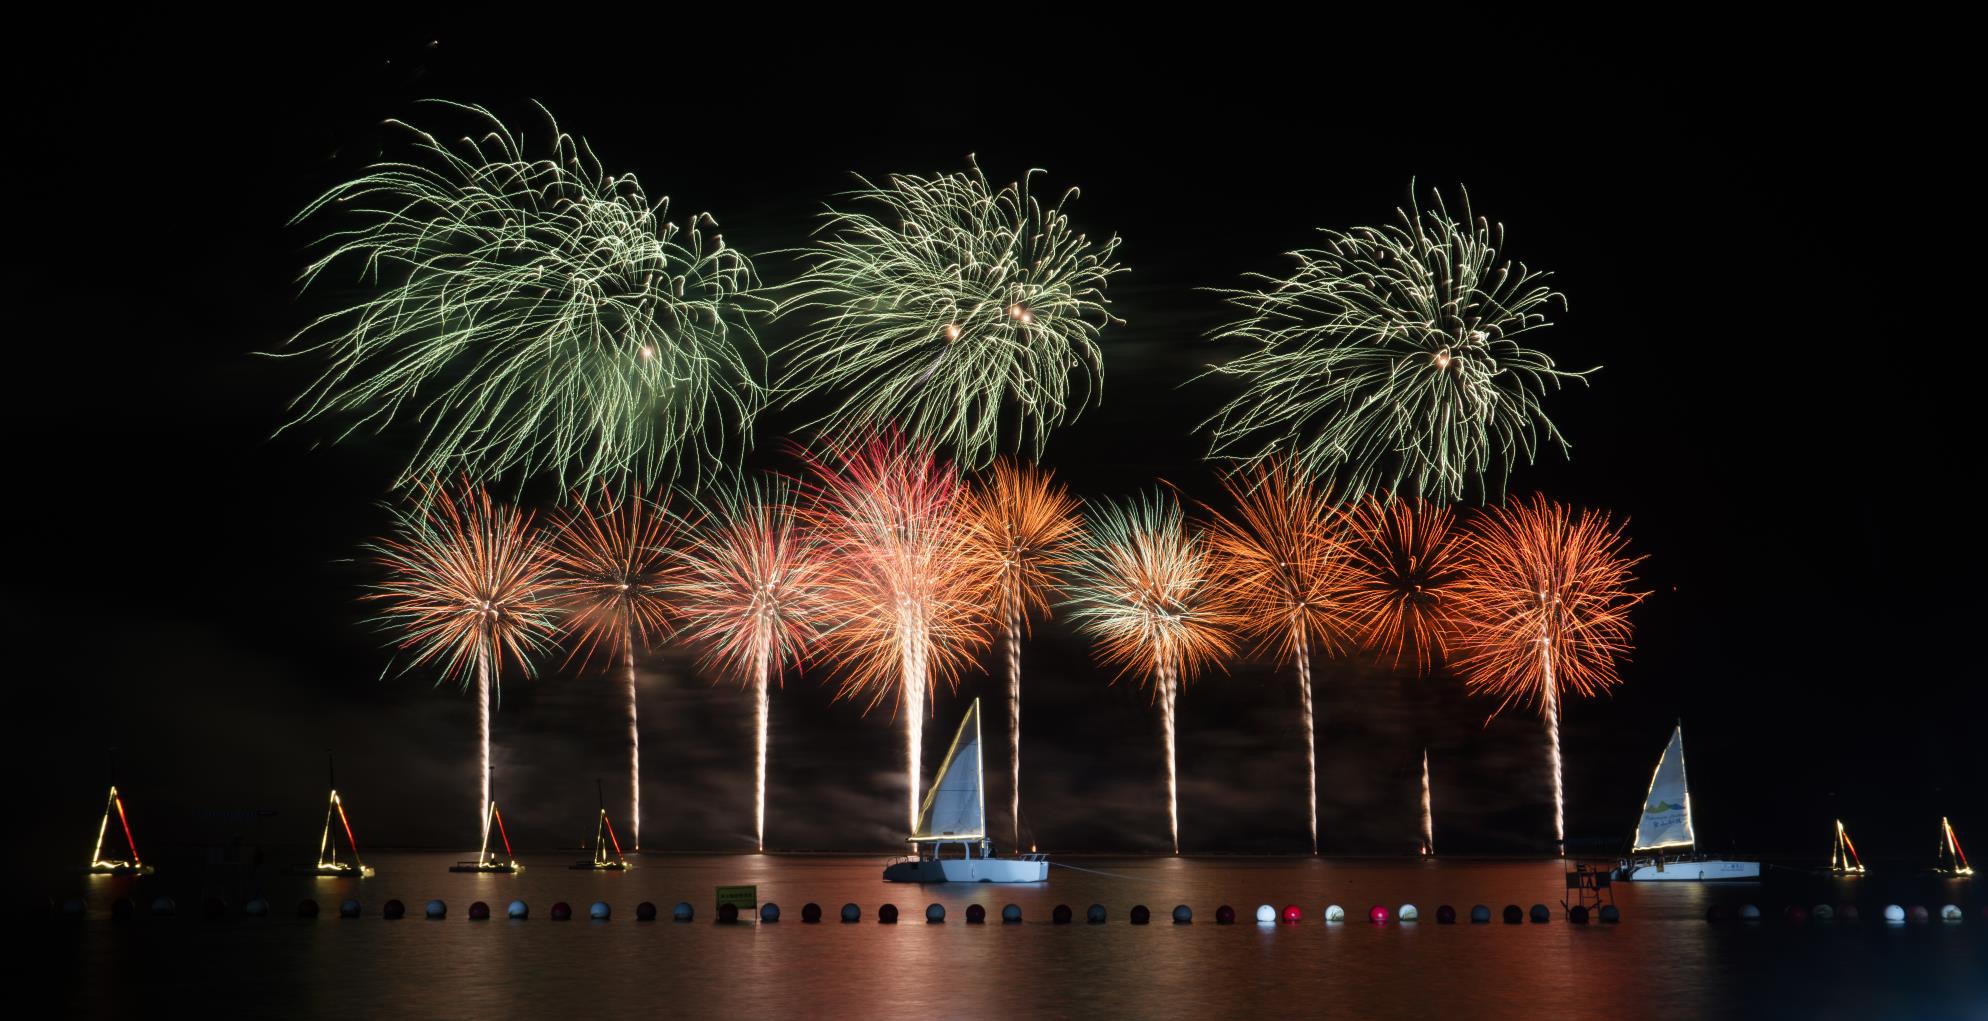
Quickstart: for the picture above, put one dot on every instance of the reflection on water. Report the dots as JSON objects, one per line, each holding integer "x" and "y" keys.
{"x": 1662, "y": 961}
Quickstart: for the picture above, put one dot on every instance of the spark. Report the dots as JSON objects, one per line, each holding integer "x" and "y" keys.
{"x": 1406, "y": 563}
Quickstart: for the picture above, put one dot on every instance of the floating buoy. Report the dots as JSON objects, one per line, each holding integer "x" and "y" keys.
{"x": 1225, "y": 915}
{"x": 163, "y": 905}
{"x": 1377, "y": 915}
{"x": 1265, "y": 914}
{"x": 1894, "y": 913}
{"x": 1292, "y": 915}
{"x": 562, "y": 911}
{"x": 1917, "y": 913}
{"x": 811, "y": 913}
{"x": 257, "y": 907}
{"x": 1795, "y": 913}
{"x": 1512, "y": 915}
{"x": 1578, "y": 914}
{"x": 646, "y": 912}
{"x": 393, "y": 909}
{"x": 348, "y": 908}
{"x": 1823, "y": 913}
{"x": 518, "y": 910}
{"x": 1445, "y": 915}
{"x": 73, "y": 907}
{"x": 479, "y": 911}
{"x": 306, "y": 908}
{"x": 769, "y": 912}
{"x": 887, "y": 915}
{"x": 1540, "y": 916}
{"x": 1060, "y": 916}
{"x": 1610, "y": 915}
{"x": 1715, "y": 913}
{"x": 599, "y": 911}
{"x": 1094, "y": 915}
{"x": 1749, "y": 913}
{"x": 1335, "y": 913}
{"x": 1407, "y": 913}
{"x": 1011, "y": 914}
{"x": 1950, "y": 913}
{"x": 683, "y": 912}
{"x": 213, "y": 908}
{"x": 1847, "y": 912}
{"x": 437, "y": 909}
{"x": 1480, "y": 915}
{"x": 1183, "y": 915}
{"x": 851, "y": 913}
{"x": 976, "y": 915}
{"x": 728, "y": 914}
{"x": 935, "y": 914}
{"x": 1140, "y": 915}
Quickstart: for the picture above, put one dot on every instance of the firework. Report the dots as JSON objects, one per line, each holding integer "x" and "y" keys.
{"x": 1406, "y": 562}
{"x": 1147, "y": 591}
{"x": 1394, "y": 357}
{"x": 753, "y": 595}
{"x": 1285, "y": 549}
{"x": 910, "y": 600}
{"x": 1543, "y": 610}
{"x": 612, "y": 563}
{"x": 530, "y": 312}
{"x": 469, "y": 584}
{"x": 1025, "y": 528}
{"x": 937, "y": 301}
{"x": 1428, "y": 814}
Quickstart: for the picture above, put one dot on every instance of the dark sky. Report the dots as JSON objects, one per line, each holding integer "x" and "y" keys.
{"x": 1759, "y": 251}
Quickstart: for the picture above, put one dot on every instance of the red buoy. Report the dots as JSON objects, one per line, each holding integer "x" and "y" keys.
{"x": 1377, "y": 915}
{"x": 562, "y": 911}
{"x": 1292, "y": 915}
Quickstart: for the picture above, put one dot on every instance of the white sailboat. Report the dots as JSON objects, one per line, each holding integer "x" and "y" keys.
{"x": 1665, "y": 848}
{"x": 955, "y": 812}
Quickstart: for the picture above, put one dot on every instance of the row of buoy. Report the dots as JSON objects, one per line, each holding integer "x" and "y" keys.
{"x": 1829, "y": 913}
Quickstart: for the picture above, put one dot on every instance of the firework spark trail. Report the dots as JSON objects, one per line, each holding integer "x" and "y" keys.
{"x": 1394, "y": 357}
{"x": 1543, "y": 608}
{"x": 936, "y": 300}
{"x": 1405, "y": 561}
{"x": 1155, "y": 601}
{"x": 530, "y": 313}
{"x": 468, "y": 583}
{"x": 752, "y": 592}
{"x": 1428, "y": 815}
{"x": 1311, "y": 738}
{"x": 1025, "y": 527}
{"x": 634, "y": 755}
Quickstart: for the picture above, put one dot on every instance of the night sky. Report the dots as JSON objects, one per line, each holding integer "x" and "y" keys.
{"x": 1786, "y": 413}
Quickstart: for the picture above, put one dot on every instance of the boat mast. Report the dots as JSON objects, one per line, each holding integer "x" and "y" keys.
{"x": 1685, "y": 775}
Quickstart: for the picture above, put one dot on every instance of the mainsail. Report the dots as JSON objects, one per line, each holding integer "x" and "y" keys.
{"x": 328, "y": 843}
{"x": 956, "y": 806}
{"x": 1844, "y": 858}
{"x": 97, "y": 860}
{"x": 1666, "y": 818}
{"x": 1953, "y": 861}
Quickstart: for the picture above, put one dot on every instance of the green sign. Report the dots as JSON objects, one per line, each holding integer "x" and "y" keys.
{"x": 745, "y": 898}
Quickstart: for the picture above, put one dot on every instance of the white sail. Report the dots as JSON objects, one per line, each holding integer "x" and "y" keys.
{"x": 956, "y": 807}
{"x": 1666, "y": 818}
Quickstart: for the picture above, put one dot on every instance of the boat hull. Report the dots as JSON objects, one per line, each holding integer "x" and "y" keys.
{"x": 327, "y": 872}
{"x": 1696, "y": 870}
{"x": 967, "y": 870}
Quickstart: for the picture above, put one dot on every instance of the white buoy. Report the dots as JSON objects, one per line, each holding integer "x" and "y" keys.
{"x": 73, "y": 906}
{"x": 437, "y": 909}
{"x": 1894, "y": 913}
{"x": 599, "y": 912}
{"x": 1335, "y": 913}
{"x": 1266, "y": 915}
{"x": 1950, "y": 913}
{"x": 1823, "y": 913}
{"x": 1407, "y": 913}
{"x": 519, "y": 910}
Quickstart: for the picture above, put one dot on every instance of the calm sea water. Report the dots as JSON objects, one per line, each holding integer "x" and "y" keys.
{"x": 1662, "y": 961}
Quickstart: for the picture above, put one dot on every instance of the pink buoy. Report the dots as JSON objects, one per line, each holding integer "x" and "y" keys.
{"x": 1377, "y": 915}
{"x": 1292, "y": 915}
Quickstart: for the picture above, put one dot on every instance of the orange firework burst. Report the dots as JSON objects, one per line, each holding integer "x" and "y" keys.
{"x": 1406, "y": 563}
{"x": 1543, "y": 609}
{"x": 469, "y": 583}
{"x": 1285, "y": 549}
{"x": 1025, "y": 529}
{"x": 612, "y": 561}
{"x": 910, "y": 598}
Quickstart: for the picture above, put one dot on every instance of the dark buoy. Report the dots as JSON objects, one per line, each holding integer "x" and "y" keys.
{"x": 214, "y": 907}
{"x": 394, "y": 909}
{"x": 562, "y": 911}
{"x": 1094, "y": 915}
{"x": 163, "y": 905}
{"x": 1578, "y": 914}
{"x": 1610, "y": 914}
{"x": 1749, "y": 913}
{"x": 769, "y": 912}
{"x": 727, "y": 914}
{"x": 1847, "y": 912}
{"x": 1060, "y": 916}
{"x": 437, "y": 909}
{"x": 1541, "y": 916}
{"x": 646, "y": 912}
{"x": 1225, "y": 915}
{"x": 1445, "y": 915}
{"x": 121, "y": 909}
{"x": 1715, "y": 913}
{"x": 600, "y": 912}
{"x": 683, "y": 912}
{"x": 976, "y": 915}
{"x": 1512, "y": 914}
{"x": 1140, "y": 915}
{"x": 479, "y": 912}
{"x": 518, "y": 910}
{"x": 935, "y": 914}
{"x": 257, "y": 907}
{"x": 307, "y": 908}
{"x": 851, "y": 913}
{"x": 1795, "y": 913}
{"x": 810, "y": 913}
{"x": 1183, "y": 915}
{"x": 348, "y": 908}
{"x": 1011, "y": 914}
{"x": 1480, "y": 915}
{"x": 1917, "y": 913}
{"x": 887, "y": 915}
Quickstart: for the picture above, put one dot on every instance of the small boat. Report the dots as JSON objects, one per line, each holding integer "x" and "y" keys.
{"x": 101, "y": 866}
{"x": 486, "y": 861}
{"x": 1665, "y": 849}
{"x": 1843, "y": 860}
{"x": 328, "y": 863}
{"x": 955, "y": 812}
{"x": 1952, "y": 860}
{"x": 601, "y": 862}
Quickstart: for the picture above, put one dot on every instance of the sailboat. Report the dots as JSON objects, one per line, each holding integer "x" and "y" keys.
{"x": 101, "y": 866}
{"x": 955, "y": 812}
{"x": 1666, "y": 827}
{"x": 485, "y": 860}
{"x": 601, "y": 862}
{"x": 1843, "y": 860}
{"x": 328, "y": 863}
{"x": 1952, "y": 860}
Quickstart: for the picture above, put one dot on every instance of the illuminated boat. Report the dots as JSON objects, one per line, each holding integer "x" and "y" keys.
{"x": 601, "y": 862}
{"x": 955, "y": 812}
{"x": 1665, "y": 848}
{"x": 101, "y": 866}
{"x": 328, "y": 863}
{"x": 1843, "y": 860}
{"x": 485, "y": 860}
{"x": 1952, "y": 860}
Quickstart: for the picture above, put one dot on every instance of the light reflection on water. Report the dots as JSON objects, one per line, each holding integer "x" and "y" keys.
{"x": 1662, "y": 961}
